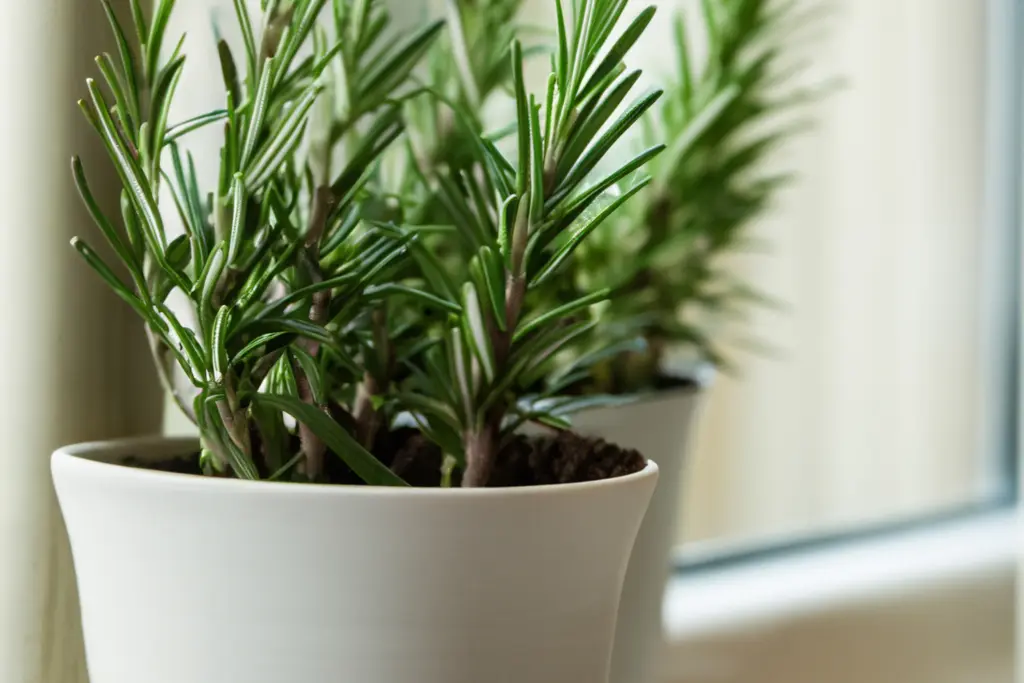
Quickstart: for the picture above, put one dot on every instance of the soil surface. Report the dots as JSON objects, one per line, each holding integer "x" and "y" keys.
{"x": 525, "y": 460}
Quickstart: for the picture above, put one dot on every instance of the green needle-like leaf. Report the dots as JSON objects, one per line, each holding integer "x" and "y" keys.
{"x": 106, "y": 67}
{"x": 282, "y": 141}
{"x": 155, "y": 41}
{"x": 599, "y": 148}
{"x": 618, "y": 51}
{"x": 563, "y": 311}
{"x": 384, "y": 292}
{"x": 128, "y": 169}
{"x": 104, "y": 271}
{"x": 259, "y": 111}
{"x": 303, "y": 328}
{"x": 218, "y": 342}
{"x": 365, "y": 465}
{"x": 536, "y": 166}
{"x": 101, "y": 221}
{"x": 476, "y": 330}
{"x": 522, "y": 117}
{"x": 195, "y": 123}
{"x": 311, "y": 370}
{"x": 256, "y": 344}
{"x": 577, "y": 238}
{"x": 590, "y": 122}
{"x": 229, "y": 71}
{"x": 239, "y": 200}
{"x": 189, "y": 344}
{"x": 242, "y": 14}
{"x": 208, "y": 279}
{"x": 163, "y": 94}
{"x": 379, "y": 82}
{"x": 127, "y": 63}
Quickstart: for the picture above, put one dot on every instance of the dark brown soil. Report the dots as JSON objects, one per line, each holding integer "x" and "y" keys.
{"x": 186, "y": 464}
{"x": 562, "y": 458}
{"x": 556, "y": 458}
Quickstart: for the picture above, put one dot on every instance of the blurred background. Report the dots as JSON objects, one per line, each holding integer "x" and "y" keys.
{"x": 886, "y": 391}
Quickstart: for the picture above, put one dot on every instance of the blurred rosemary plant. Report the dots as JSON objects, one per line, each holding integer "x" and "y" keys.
{"x": 667, "y": 254}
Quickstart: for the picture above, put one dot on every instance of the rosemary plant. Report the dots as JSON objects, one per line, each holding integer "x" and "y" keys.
{"x": 313, "y": 294}
{"x": 666, "y": 254}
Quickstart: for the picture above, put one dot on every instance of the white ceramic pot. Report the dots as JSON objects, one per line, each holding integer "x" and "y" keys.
{"x": 659, "y": 427}
{"x": 189, "y": 579}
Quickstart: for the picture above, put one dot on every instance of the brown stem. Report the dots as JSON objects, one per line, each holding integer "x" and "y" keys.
{"x": 367, "y": 419}
{"x": 318, "y": 215}
{"x": 273, "y": 31}
{"x": 366, "y": 416}
{"x": 312, "y": 446}
{"x": 515, "y": 292}
{"x": 656, "y": 352}
{"x": 227, "y": 416}
{"x": 481, "y": 452}
{"x": 234, "y": 418}
{"x": 482, "y": 445}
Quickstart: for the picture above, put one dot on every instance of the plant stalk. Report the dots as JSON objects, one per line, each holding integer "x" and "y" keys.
{"x": 483, "y": 443}
{"x": 312, "y": 446}
{"x": 367, "y": 418}
{"x": 481, "y": 453}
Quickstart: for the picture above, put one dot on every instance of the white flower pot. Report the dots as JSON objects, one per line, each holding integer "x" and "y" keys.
{"x": 189, "y": 579}
{"x": 659, "y": 427}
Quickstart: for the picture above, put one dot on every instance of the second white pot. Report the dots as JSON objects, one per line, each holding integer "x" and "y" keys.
{"x": 660, "y": 427}
{"x": 189, "y": 579}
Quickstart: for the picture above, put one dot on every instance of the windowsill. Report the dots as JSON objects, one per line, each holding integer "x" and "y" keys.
{"x": 927, "y": 605}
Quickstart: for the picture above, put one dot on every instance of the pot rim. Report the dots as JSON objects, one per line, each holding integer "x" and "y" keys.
{"x": 79, "y": 460}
